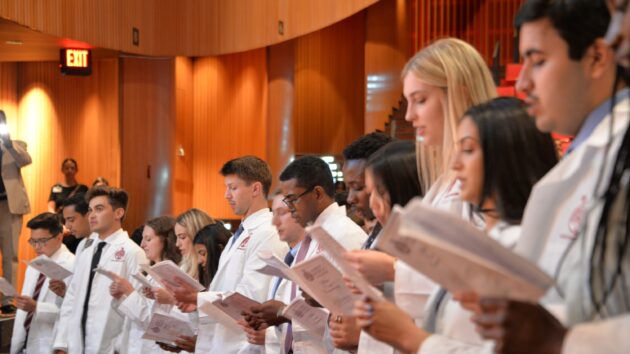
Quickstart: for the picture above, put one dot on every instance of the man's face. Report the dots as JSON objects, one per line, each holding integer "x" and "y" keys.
{"x": 556, "y": 86}
{"x": 358, "y": 198}
{"x": 238, "y": 194}
{"x": 44, "y": 242}
{"x": 301, "y": 203}
{"x": 102, "y": 216}
{"x": 77, "y": 224}
{"x": 288, "y": 228}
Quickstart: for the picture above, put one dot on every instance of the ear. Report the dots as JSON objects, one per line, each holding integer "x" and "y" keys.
{"x": 257, "y": 189}
{"x": 601, "y": 59}
{"x": 119, "y": 213}
{"x": 319, "y": 192}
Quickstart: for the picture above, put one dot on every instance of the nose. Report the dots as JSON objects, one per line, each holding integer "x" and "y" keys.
{"x": 409, "y": 116}
{"x": 456, "y": 164}
{"x": 523, "y": 83}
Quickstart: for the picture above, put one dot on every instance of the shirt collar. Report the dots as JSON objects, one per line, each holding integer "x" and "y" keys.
{"x": 332, "y": 209}
{"x": 595, "y": 118}
{"x": 255, "y": 219}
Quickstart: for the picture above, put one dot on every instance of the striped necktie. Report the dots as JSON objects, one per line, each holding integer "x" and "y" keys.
{"x": 29, "y": 316}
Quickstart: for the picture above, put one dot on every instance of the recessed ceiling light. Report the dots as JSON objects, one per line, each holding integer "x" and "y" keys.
{"x": 14, "y": 42}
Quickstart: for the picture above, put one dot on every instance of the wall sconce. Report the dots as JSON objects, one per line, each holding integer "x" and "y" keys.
{"x": 180, "y": 151}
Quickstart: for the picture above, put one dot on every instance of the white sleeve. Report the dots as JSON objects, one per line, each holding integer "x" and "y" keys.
{"x": 65, "y": 313}
{"x": 611, "y": 336}
{"x": 137, "y": 308}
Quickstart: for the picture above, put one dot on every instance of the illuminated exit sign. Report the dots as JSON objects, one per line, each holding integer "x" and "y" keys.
{"x": 75, "y": 61}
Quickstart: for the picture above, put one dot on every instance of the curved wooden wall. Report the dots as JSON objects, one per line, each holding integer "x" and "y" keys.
{"x": 175, "y": 27}
{"x": 58, "y": 117}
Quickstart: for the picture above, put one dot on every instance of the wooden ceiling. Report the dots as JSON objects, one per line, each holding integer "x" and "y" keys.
{"x": 176, "y": 27}
{"x": 19, "y": 43}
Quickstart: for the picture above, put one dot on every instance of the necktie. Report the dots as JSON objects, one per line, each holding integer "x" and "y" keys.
{"x": 288, "y": 259}
{"x": 29, "y": 316}
{"x": 370, "y": 240}
{"x": 430, "y": 322}
{"x": 238, "y": 233}
{"x": 95, "y": 259}
{"x": 288, "y": 339}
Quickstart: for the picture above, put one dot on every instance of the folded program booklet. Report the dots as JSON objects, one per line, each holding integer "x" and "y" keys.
{"x": 319, "y": 278}
{"x": 458, "y": 256}
{"x": 168, "y": 274}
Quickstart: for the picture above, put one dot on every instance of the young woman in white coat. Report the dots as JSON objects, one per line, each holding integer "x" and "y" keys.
{"x": 500, "y": 155}
{"x": 158, "y": 242}
{"x": 440, "y": 83}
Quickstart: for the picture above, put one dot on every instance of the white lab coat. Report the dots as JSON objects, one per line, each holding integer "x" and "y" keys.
{"x": 412, "y": 289}
{"x": 237, "y": 273}
{"x": 40, "y": 338}
{"x": 557, "y": 206}
{"x": 454, "y": 331}
{"x": 121, "y": 256}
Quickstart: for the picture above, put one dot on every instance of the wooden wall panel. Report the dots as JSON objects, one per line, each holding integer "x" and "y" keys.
{"x": 280, "y": 125}
{"x": 147, "y": 128}
{"x": 387, "y": 48}
{"x": 479, "y": 22}
{"x": 174, "y": 27}
{"x": 60, "y": 116}
{"x": 230, "y": 120}
{"x": 183, "y": 165}
{"x": 330, "y": 87}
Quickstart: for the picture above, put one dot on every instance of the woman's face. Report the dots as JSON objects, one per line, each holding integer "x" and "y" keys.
{"x": 152, "y": 244}
{"x": 202, "y": 254}
{"x": 424, "y": 109}
{"x": 184, "y": 241}
{"x": 468, "y": 161}
{"x": 69, "y": 169}
{"x": 380, "y": 205}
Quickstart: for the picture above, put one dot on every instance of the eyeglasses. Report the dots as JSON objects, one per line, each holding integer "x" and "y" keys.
{"x": 40, "y": 242}
{"x": 290, "y": 201}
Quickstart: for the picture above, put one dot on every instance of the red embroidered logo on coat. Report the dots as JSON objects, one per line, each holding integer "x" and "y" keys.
{"x": 244, "y": 243}
{"x": 575, "y": 220}
{"x": 120, "y": 254}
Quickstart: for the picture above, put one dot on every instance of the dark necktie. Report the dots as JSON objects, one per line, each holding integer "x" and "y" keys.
{"x": 238, "y": 233}
{"x": 288, "y": 339}
{"x": 29, "y": 316}
{"x": 95, "y": 259}
{"x": 370, "y": 240}
{"x": 288, "y": 259}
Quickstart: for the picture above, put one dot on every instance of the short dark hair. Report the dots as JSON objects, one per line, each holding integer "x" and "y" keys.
{"x": 117, "y": 197}
{"x": 365, "y": 146}
{"x": 395, "y": 171}
{"x": 164, "y": 227}
{"x": 250, "y": 169}
{"x": 79, "y": 203}
{"x": 309, "y": 172}
{"x": 69, "y": 159}
{"x": 214, "y": 237}
{"x": 578, "y": 22}
{"x": 516, "y": 155}
{"x": 48, "y": 221}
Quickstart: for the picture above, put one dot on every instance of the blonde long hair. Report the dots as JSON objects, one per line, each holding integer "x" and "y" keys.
{"x": 456, "y": 67}
{"x": 193, "y": 220}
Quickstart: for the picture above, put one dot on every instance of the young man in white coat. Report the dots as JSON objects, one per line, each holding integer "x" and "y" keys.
{"x": 88, "y": 323}
{"x": 308, "y": 189}
{"x": 75, "y": 217}
{"x": 38, "y": 307}
{"x": 247, "y": 182}
{"x": 572, "y": 84}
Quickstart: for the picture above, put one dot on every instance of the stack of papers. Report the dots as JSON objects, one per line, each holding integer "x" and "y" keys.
{"x": 458, "y": 256}
{"x": 49, "y": 268}
{"x": 227, "y": 308}
{"x": 168, "y": 274}
{"x": 167, "y": 329}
